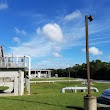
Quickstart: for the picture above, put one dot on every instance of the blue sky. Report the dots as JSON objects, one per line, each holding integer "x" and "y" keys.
{"x": 52, "y": 32}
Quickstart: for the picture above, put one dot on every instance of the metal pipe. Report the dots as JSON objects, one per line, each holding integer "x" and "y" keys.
{"x": 29, "y": 66}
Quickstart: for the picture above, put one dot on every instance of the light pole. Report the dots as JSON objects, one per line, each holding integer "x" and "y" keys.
{"x": 89, "y": 100}
{"x": 69, "y": 73}
{"x": 87, "y": 53}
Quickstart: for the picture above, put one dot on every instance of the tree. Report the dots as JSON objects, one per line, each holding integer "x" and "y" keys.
{"x": 98, "y": 70}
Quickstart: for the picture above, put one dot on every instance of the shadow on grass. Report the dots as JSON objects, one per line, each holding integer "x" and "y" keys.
{"x": 22, "y": 100}
{"x": 74, "y": 107}
{"x": 103, "y": 108}
{"x": 37, "y": 102}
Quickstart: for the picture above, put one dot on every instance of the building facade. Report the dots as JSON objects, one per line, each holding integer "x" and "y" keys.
{"x": 40, "y": 73}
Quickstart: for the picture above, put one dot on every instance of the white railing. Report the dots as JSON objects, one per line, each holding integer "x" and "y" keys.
{"x": 12, "y": 64}
{"x": 16, "y": 61}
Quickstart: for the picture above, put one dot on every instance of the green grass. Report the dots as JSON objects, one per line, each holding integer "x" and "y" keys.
{"x": 51, "y": 79}
{"x": 3, "y": 88}
{"x": 46, "y": 96}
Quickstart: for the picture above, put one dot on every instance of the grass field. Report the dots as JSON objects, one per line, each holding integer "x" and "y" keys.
{"x": 3, "y": 88}
{"x": 45, "y": 96}
{"x": 51, "y": 79}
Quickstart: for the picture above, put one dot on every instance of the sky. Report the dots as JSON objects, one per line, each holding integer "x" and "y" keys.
{"x": 52, "y": 32}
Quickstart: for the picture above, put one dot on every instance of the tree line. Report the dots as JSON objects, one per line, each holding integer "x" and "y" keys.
{"x": 98, "y": 70}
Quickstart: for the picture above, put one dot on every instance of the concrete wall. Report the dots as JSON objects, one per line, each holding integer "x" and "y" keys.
{"x": 18, "y": 78}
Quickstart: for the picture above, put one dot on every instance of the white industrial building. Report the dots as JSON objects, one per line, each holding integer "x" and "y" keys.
{"x": 40, "y": 73}
{"x": 13, "y": 71}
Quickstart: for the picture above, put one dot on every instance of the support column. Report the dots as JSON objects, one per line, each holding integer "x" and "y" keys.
{"x": 49, "y": 74}
{"x": 35, "y": 74}
{"x": 39, "y": 74}
{"x": 21, "y": 83}
{"x": 46, "y": 74}
{"x": 16, "y": 86}
{"x": 28, "y": 85}
{"x": 90, "y": 103}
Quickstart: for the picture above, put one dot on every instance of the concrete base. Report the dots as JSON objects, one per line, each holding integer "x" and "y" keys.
{"x": 90, "y": 103}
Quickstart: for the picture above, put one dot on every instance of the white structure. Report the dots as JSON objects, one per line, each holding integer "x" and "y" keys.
{"x": 13, "y": 67}
{"x": 18, "y": 84}
{"x": 40, "y": 73}
{"x": 35, "y": 82}
{"x": 75, "y": 89}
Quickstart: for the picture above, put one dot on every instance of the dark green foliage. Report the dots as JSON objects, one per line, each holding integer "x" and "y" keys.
{"x": 98, "y": 70}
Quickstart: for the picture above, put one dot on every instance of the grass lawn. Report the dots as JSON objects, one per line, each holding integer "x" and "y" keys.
{"x": 46, "y": 96}
{"x": 3, "y": 88}
{"x": 52, "y": 79}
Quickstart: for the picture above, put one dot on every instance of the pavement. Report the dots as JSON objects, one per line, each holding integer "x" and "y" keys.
{"x": 103, "y": 102}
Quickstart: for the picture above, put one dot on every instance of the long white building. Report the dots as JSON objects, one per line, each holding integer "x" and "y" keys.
{"x": 40, "y": 73}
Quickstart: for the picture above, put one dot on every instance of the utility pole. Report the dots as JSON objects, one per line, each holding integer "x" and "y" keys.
{"x": 89, "y": 100}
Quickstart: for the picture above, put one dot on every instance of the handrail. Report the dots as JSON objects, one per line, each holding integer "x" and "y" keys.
{"x": 16, "y": 61}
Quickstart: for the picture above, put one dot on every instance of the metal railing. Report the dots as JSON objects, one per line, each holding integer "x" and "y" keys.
{"x": 12, "y": 64}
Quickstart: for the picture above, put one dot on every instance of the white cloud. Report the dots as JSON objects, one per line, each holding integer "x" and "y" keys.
{"x": 39, "y": 45}
{"x": 109, "y": 57}
{"x": 35, "y": 48}
{"x": 56, "y": 54}
{"x": 22, "y": 32}
{"x": 38, "y": 30}
{"x": 76, "y": 14}
{"x": 52, "y": 31}
{"x": 56, "y": 48}
{"x": 94, "y": 51}
{"x": 17, "y": 30}
{"x": 3, "y": 6}
{"x": 55, "y": 63}
{"x": 16, "y": 39}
